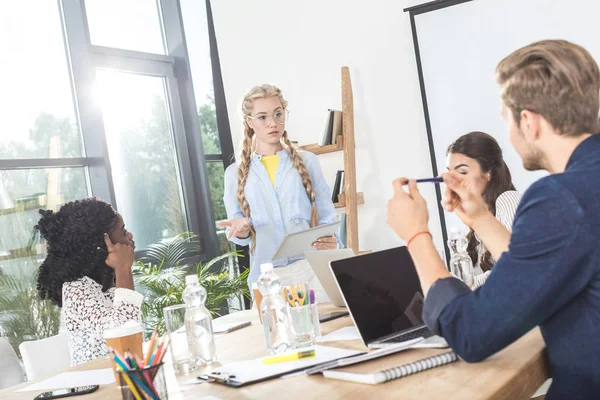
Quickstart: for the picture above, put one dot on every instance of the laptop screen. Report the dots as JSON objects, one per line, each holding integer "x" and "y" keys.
{"x": 382, "y": 291}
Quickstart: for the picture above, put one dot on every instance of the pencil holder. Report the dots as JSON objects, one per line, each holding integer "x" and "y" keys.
{"x": 302, "y": 322}
{"x": 147, "y": 383}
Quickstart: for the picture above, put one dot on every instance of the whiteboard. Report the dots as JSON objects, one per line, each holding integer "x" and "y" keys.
{"x": 460, "y": 47}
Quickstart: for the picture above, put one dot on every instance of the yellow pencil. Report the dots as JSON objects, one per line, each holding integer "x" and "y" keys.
{"x": 288, "y": 357}
{"x": 136, "y": 394}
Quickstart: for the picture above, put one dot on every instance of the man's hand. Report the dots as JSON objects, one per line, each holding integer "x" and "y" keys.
{"x": 407, "y": 213}
{"x": 463, "y": 200}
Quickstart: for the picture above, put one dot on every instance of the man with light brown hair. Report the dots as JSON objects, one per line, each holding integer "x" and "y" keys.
{"x": 548, "y": 270}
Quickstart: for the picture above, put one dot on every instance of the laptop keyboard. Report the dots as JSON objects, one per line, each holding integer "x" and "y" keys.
{"x": 422, "y": 332}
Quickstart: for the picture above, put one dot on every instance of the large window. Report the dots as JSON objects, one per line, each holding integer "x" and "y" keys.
{"x": 142, "y": 154}
{"x": 131, "y": 24}
{"x": 99, "y": 103}
{"x": 41, "y": 157}
{"x": 216, "y": 136}
{"x": 35, "y": 99}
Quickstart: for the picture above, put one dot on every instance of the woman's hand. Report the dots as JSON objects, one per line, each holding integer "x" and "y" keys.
{"x": 463, "y": 200}
{"x": 407, "y": 213}
{"x": 120, "y": 256}
{"x": 240, "y": 227}
{"x": 326, "y": 243}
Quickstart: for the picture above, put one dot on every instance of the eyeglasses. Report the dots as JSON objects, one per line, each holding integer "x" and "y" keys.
{"x": 263, "y": 120}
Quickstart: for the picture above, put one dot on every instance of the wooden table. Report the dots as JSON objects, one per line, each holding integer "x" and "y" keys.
{"x": 514, "y": 373}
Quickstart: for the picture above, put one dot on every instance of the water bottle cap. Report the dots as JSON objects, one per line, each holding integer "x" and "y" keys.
{"x": 191, "y": 279}
{"x": 266, "y": 267}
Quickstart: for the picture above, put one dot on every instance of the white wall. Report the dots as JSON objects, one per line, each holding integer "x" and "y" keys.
{"x": 300, "y": 47}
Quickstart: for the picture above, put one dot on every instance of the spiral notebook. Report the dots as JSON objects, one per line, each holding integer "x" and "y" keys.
{"x": 391, "y": 374}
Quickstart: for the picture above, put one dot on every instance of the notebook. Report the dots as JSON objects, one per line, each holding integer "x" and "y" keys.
{"x": 363, "y": 357}
{"x": 391, "y": 374}
{"x": 384, "y": 298}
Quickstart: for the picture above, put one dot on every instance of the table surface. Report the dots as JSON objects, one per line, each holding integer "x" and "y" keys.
{"x": 514, "y": 373}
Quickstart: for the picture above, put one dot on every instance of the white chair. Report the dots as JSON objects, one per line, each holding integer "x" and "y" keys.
{"x": 46, "y": 356}
{"x": 11, "y": 372}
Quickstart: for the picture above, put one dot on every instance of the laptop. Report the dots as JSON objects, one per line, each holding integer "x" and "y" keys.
{"x": 383, "y": 295}
{"x": 319, "y": 262}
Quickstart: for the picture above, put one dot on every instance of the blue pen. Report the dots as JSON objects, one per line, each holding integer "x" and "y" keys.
{"x": 438, "y": 179}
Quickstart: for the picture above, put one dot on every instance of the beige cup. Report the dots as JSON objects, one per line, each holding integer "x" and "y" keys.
{"x": 127, "y": 337}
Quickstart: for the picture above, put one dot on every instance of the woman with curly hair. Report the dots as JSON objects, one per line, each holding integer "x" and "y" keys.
{"x": 87, "y": 272}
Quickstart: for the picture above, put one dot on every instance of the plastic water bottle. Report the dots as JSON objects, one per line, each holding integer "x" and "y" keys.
{"x": 461, "y": 265}
{"x": 198, "y": 322}
{"x": 276, "y": 318}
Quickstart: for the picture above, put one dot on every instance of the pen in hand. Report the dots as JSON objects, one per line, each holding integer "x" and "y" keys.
{"x": 438, "y": 179}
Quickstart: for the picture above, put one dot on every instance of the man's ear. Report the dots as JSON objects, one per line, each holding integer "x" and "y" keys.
{"x": 530, "y": 125}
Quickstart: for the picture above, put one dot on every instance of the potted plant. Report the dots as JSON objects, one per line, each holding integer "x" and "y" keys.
{"x": 160, "y": 270}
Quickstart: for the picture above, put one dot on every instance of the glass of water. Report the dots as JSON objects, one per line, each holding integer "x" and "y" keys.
{"x": 183, "y": 360}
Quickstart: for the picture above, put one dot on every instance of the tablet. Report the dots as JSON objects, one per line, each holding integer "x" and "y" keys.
{"x": 298, "y": 242}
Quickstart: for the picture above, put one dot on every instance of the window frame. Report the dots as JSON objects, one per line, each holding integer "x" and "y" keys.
{"x": 84, "y": 59}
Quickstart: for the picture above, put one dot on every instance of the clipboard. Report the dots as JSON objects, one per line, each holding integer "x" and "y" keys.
{"x": 244, "y": 373}
{"x": 298, "y": 242}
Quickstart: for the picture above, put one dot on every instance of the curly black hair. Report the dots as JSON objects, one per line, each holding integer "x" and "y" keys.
{"x": 75, "y": 246}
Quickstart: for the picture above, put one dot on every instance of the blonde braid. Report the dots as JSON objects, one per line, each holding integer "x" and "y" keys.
{"x": 243, "y": 171}
{"x": 306, "y": 181}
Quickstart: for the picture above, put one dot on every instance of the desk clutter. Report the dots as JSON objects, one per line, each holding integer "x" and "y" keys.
{"x": 139, "y": 378}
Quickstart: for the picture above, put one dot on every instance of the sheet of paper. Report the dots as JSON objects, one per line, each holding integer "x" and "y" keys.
{"x": 346, "y": 333}
{"x": 251, "y": 370}
{"x": 73, "y": 379}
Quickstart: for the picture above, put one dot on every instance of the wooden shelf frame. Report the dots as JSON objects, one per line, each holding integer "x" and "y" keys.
{"x": 316, "y": 149}
{"x": 350, "y": 199}
{"x": 341, "y": 203}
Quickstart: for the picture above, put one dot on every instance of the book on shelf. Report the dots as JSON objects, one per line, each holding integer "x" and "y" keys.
{"x": 337, "y": 126}
{"x": 332, "y": 128}
{"x": 337, "y": 186}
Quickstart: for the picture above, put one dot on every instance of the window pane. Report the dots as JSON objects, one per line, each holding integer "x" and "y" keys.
{"x": 216, "y": 177}
{"x": 39, "y": 116}
{"x": 22, "y": 193}
{"x": 131, "y": 24}
{"x": 196, "y": 34}
{"x": 142, "y": 155}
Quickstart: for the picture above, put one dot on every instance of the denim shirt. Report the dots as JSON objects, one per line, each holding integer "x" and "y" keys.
{"x": 277, "y": 210}
{"x": 550, "y": 277}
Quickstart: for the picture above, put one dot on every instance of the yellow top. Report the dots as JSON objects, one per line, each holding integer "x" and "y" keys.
{"x": 271, "y": 163}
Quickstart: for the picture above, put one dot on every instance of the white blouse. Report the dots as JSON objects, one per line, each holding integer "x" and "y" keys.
{"x": 88, "y": 312}
{"x": 506, "y": 208}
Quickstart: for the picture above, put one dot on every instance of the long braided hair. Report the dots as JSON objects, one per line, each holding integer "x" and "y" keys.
{"x": 260, "y": 92}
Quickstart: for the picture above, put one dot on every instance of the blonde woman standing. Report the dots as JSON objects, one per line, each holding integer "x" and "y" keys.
{"x": 274, "y": 190}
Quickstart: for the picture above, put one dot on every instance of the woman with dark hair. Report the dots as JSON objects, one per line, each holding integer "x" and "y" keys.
{"x": 87, "y": 272}
{"x": 478, "y": 157}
